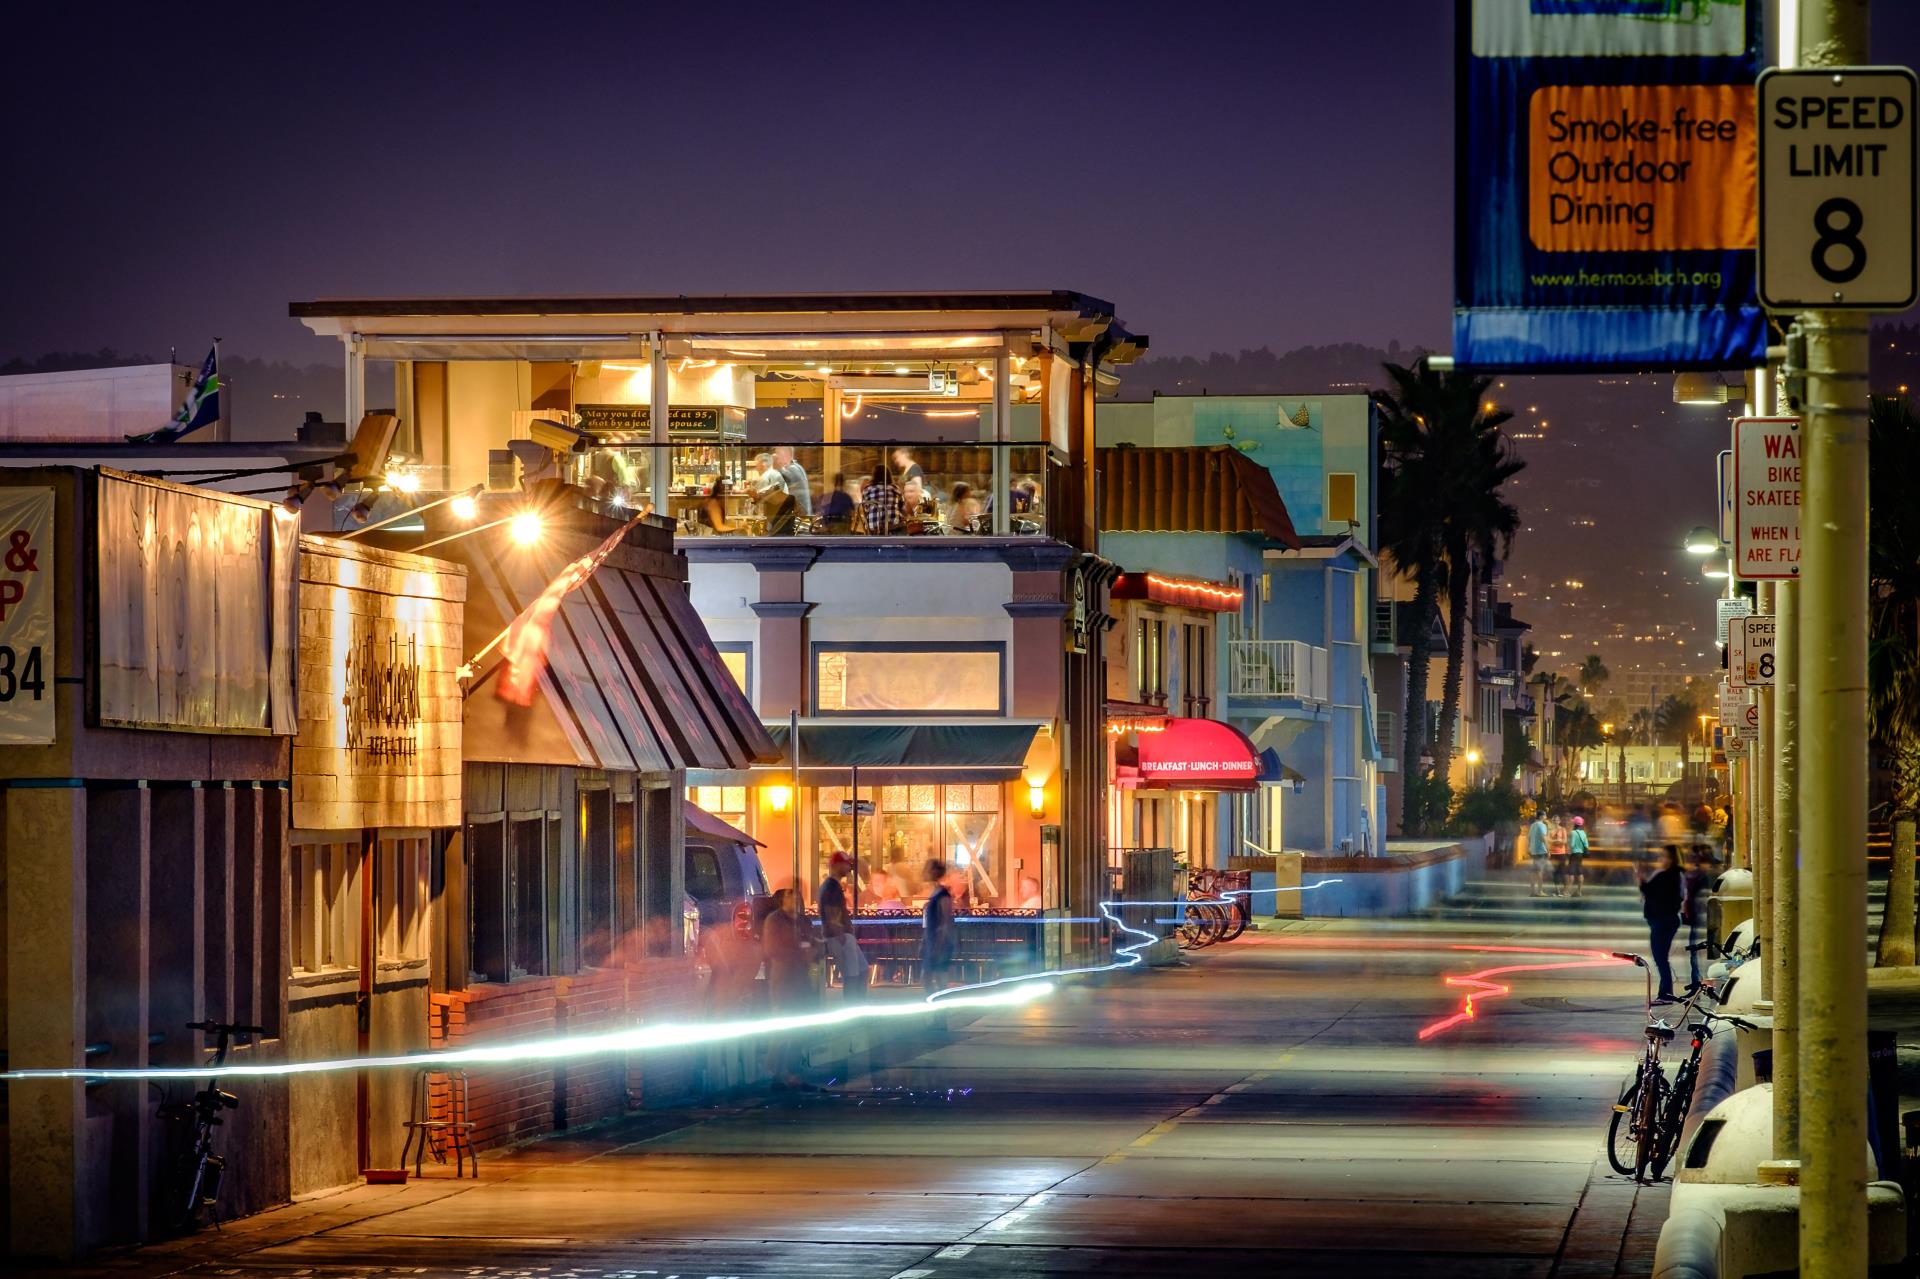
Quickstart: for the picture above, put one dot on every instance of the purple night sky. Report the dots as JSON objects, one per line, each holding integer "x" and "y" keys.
{"x": 1231, "y": 176}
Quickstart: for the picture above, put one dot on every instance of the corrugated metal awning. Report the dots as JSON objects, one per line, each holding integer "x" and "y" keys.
{"x": 633, "y": 682}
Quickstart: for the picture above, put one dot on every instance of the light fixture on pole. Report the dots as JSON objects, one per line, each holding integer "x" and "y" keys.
{"x": 462, "y": 504}
{"x": 1701, "y": 389}
{"x": 1701, "y": 541}
{"x": 1715, "y": 569}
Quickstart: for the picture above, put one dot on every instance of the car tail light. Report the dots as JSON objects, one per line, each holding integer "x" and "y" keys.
{"x": 743, "y": 919}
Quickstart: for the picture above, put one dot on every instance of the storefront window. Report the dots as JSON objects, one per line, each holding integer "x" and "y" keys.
{"x": 325, "y": 907}
{"x": 528, "y": 928}
{"x": 940, "y": 679}
{"x": 911, "y": 825}
{"x": 399, "y": 898}
{"x": 728, "y": 803}
{"x": 596, "y": 878}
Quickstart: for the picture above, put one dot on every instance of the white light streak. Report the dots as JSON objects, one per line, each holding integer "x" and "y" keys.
{"x": 1004, "y": 992}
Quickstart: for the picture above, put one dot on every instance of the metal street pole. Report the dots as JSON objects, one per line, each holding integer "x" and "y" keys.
{"x": 1782, "y": 971}
{"x": 1833, "y": 738}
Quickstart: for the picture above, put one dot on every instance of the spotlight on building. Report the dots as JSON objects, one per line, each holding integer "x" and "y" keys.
{"x": 1700, "y": 388}
{"x": 525, "y": 528}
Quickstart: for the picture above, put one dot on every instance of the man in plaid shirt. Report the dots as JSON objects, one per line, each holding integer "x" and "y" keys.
{"x": 880, "y": 505}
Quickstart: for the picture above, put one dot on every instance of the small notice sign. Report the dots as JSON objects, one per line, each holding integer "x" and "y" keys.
{"x": 1766, "y": 482}
{"x": 1725, "y": 610}
{"x": 1750, "y": 652}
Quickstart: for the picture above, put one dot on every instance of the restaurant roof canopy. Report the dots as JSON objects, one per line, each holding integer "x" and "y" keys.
{"x": 892, "y": 753}
{"x": 795, "y": 324}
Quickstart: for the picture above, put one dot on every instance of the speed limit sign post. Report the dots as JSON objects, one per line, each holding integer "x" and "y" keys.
{"x": 1750, "y": 652}
{"x": 1837, "y": 189}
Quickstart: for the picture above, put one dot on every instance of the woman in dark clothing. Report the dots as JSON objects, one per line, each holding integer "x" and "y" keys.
{"x": 785, "y": 944}
{"x": 937, "y": 944}
{"x": 1662, "y": 895}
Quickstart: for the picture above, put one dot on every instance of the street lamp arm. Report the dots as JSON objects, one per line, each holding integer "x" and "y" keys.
{"x": 475, "y": 491}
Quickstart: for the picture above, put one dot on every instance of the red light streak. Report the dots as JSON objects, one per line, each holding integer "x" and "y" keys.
{"x": 1480, "y": 989}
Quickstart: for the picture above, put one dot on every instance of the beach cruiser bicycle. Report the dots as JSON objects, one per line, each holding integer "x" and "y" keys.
{"x": 1644, "y": 1131}
{"x": 197, "y": 1189}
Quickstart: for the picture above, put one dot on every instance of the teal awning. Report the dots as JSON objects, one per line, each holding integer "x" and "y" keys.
{"x": 991, "y": 752}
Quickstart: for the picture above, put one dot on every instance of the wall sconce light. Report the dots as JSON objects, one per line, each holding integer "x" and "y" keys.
{"x": 1036, "y": 799}
{"x": 778, "y": 797}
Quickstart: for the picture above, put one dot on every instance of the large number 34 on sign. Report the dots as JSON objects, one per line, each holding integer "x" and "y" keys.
{"x": 26, "y": 616}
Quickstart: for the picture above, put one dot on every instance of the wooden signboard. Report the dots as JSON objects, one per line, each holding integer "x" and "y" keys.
{"x": 379, "y": 698}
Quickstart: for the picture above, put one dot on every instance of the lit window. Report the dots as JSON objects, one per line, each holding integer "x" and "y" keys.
{"x": 931, "y": 679}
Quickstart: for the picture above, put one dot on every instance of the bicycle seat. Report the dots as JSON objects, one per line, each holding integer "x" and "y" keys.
{"x": 1661, "y": 1032}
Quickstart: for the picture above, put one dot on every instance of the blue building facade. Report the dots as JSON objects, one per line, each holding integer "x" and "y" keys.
{"x": 1296, "y": 674}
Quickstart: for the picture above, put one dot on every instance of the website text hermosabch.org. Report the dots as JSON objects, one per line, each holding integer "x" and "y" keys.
{"x": 1653, "y": 279}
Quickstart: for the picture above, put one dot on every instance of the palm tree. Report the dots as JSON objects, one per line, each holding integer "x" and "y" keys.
{"x": 1443, "y": 520}
{"x": 1893, "y": 649}
{"x": 1593, "y": 674}
{"x": 1675, "y": 721}
{"x": 1576, "y": 729}
{"x": 1639, "y": 730}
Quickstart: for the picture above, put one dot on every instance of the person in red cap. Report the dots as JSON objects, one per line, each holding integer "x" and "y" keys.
{"x": 836, "y": 928}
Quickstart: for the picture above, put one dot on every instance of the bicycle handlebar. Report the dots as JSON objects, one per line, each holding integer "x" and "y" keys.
{"x": 1630, "y": 958}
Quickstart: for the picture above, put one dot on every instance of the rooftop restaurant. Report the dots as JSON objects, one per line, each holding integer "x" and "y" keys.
{"x": 801, "y": 416}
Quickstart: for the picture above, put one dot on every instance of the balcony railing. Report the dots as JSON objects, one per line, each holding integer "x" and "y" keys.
{"x": 752, "y": 489}
{"x": 1278, "y": 668}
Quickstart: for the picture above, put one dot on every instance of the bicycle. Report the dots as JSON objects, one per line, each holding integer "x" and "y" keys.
{"x": 200, "y": 1168}
{"x": 1654, "y": 1111}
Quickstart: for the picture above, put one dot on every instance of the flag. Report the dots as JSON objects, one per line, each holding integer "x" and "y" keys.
{"x": 525, "y": 650}
{"x": 200, "y": 408}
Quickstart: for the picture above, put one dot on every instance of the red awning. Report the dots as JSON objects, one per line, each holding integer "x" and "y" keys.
{"x": 1198, "y": 754}
{"x": 1186, "y": 592}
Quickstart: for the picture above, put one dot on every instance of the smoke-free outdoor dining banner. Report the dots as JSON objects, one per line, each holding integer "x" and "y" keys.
{"x": 1605, "y": 208}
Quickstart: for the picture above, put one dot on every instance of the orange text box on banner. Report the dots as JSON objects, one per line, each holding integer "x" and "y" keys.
{"x": 1633, "y": 167}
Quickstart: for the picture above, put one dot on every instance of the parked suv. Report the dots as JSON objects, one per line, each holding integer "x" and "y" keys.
{"x": 725, "y": 880}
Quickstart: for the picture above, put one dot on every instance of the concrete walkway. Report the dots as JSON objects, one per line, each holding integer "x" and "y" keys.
{"x": 1268, "y": 1109}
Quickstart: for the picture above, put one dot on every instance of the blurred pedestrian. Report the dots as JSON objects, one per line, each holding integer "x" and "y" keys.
{"x": 794, "y": 476}
{"x": 938, "y": 945}
{"x": 1694, "y": 910}
{"x": 788, "y": 952}
{"x": 1538, "y": 839}
{"x": 836, "y": 928}
{"x": 1577, "y": 855}
{"x": 1557, "y": 853}
{"x": 1661, "y": 896}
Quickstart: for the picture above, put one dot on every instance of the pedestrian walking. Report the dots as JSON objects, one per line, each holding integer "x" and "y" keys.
{"x": 938, "y": 945}
{"x": 788, "y": 953}
{"x": 1694, "y": 909}
{"x": 1557, "y": 853}
{"x": 1537, "y": 844}
{"x": 836, "y": 929}
{"x": 1577, "y": 855}
{"x": 1661, "y": 896}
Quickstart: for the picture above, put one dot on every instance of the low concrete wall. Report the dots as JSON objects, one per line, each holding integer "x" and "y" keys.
{"x": 1397, "y": 884}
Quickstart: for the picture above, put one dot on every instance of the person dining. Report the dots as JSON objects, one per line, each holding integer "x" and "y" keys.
{"x": 966, "y": 512}
{"x": 880, "y": 504}
{"x": 794, "y": 476}
{"x": 713, "y": 511}
{"x": 836, "y": 509}
{"x": 917, "y": 507}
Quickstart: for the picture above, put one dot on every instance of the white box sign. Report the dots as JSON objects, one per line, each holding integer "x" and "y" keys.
{"x": 1750, "y": 653}
{"x": 1725, "y": 610}
{"x": 26, "y": 616}
{"x": 1837, "y": 189}
{"x": 1766, "y": 483}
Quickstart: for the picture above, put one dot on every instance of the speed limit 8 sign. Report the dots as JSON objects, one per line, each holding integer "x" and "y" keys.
{"x": 1837, "y": 189}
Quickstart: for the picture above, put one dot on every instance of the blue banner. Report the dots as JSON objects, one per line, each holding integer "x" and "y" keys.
{"x": 1605, "y": 205}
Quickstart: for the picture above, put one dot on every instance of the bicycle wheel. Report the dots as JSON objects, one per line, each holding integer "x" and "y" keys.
{"x": 1673, "y": 1119}
{"x": 1215, "y": 917}
{"x": 1238, "y": 913}
{"x": 1620, "y": 1134}
{"x": 1191, "y": 932}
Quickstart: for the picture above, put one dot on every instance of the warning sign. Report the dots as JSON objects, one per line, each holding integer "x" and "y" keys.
{"x": 1766, "y": 482}
{"x": 1618, "y": 167}
{"x": 1750, "y": 652}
